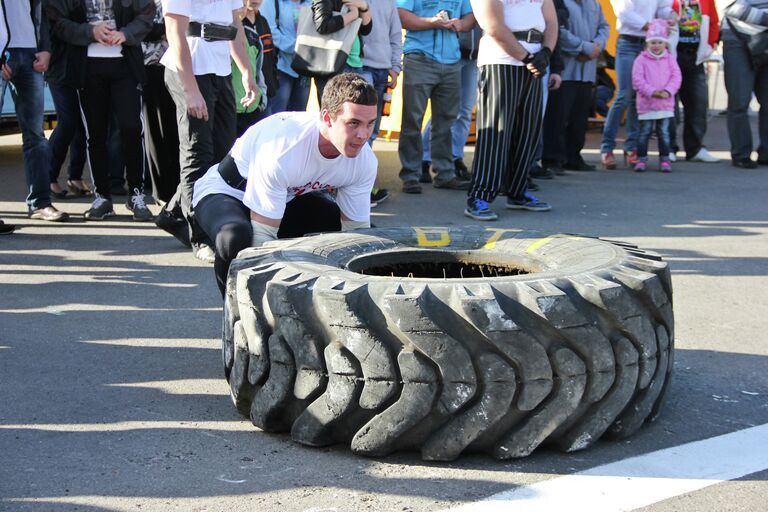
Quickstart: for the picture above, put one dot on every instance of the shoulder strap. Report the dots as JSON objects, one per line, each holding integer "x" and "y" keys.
{"x": 277, "y": 14}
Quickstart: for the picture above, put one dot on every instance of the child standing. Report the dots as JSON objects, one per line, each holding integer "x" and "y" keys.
{"x": 656, "y": 79}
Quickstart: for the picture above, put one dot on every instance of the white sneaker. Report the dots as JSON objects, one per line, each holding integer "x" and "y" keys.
{"x": 704, "y": 156}
{"x": 672, "y": 157}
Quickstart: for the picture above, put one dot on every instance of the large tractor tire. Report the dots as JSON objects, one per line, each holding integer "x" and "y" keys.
{"x": 447, "y": 340}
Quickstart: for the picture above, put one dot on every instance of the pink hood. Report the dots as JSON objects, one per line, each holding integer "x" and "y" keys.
{"x": 650, "y": 74}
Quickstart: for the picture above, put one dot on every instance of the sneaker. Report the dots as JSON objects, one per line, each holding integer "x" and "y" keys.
{"x": 744, "y": 163}
{"x": 411, "y": 187}
{"x": 136, "y": 204}
{"x": 478, "y": 209}
{"x": 173, "y": 225}
{"x": 528, "y": 202}
{"x": 203, "y": 252}
{"x": 704, "y": 156}
{"x": 378, "y": 195}
{"x": 453, "y": 183}
{"x": 608, "y": 160}
{"x": 462, "y": 172}
{"x": 640, "y": 166}
{"x": 673, "y": 156}
{"x": 630, "y": 158}
{"x": 49, "y": 213}
{"x": 425, "y": 176}
{"x": 100, "y": 209}
{"x": 665, "y": 166}
{"x": 6, "y": 229}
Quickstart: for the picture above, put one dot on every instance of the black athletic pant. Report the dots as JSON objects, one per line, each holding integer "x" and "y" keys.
{"x": 508, "y": 130}
{"x": 111, "y": 88}
{"x": 227, "y": 222}
{"x": 201, "y": 143}
{"x": 565, "y": 123}
{"x": 161, "y": 136}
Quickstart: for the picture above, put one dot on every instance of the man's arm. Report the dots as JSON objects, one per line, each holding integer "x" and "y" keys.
{"x": 743, "y": 11}
{"x": 264, "y": 229}
{"x": 490, "y": 16}
{"x": 395, "y": 45}
{"x": 239, "y": 53}
{"x": 551, "y": 26}
{"x": 176, "y": 32}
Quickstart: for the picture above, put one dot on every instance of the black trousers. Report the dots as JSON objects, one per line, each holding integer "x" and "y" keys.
{"x": 201, "y": 143}
{"x": 508, "y": 130}
{"x": 227, "y": 222}
{"x": 565, "y": 122}
{"x": 161, "y": 137}
{"x": 111, "y": 89}
{"x": 69, "y": 134}
{"x": 694, "y": 95}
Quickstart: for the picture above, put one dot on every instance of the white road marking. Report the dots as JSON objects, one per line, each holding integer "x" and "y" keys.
{"x": 640, "y": 481}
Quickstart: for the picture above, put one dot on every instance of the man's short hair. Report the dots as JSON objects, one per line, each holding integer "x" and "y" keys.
{"x": 347, "y": 87}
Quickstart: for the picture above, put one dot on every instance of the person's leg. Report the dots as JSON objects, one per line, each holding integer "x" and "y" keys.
{"x": 224, "y": 121}
{"x": 418, "y": 81}
{"x": 526, "y": 131}
{"x": 694, "y": 97}
{"x": 646, "y": 128}
{"x": 378, "y": 78}
{"x": 426, "y": 134}
{"x": 761, "y": 93}
{"x": 554, "y": 128}
{"x": 279, "y": 102}
{"x": 299, "y": 96}
{"x": 161, "y": 135}
{"x": 126, "y": 104}
{"x": 27, "y": 95}
{"x": 315, "y": 212}
{"x": 626, "y": 52}
{"x": 739, "y": 83}
{"x": 227, "y": 222}
{"x": 468, "y": 91}
{"x": 445, "y": 106}
{"x": 67, "y": 116}
{"x": 496, "y": 107}
{"x": 662, "y": 132}
{"x": 95, "y": 104}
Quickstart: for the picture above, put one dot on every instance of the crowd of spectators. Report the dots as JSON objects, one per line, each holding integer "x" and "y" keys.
{"x": 165, "y": 89}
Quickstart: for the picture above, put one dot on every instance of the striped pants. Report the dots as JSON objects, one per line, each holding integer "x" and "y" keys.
{"x": 509, "y": 122}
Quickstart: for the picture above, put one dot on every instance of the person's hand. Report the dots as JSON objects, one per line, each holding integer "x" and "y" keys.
{"x": 539, "y": 62}
{"x": 6, "y": 72}
{"x": 665, "y": 95}
{"x": 439, "y": 22}
{"x": 583, "y": 58}
{"x": 351, "y": 15}
{"x": 196, "y": 106}
{"x": 102, "y": 33}
{"x": 249, "y": 85}
{"x": 392, "y": 79}
{"x": 117, "y": 38}
{"x": 672, "y": 20}
{"x": 554, "y": 81}
{"x": 42, "y": 60}
{"x": 596, "y": 51}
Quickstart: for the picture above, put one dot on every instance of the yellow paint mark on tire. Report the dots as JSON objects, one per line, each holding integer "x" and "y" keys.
{"x": 538, "y": 244}
{"x": 497, "y": 234}
{"x": 432, "y": 237}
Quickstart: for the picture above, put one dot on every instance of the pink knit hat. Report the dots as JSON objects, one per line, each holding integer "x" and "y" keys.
{"x": 658, "y": 30}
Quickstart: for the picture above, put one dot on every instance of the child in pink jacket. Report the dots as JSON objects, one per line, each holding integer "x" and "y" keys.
{"x": 656, "y": 79}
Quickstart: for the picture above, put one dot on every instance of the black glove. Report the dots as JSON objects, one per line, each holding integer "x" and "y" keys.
{"x": 540, "y": 59}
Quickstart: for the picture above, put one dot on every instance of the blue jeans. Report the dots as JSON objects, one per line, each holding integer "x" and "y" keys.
{"x": 378, "y": 78}
{"x": 662, "y": 132}
{"x": 460, "y": 130}
{"x": 626, "y": 52}
{"x": 292, "y": 94}
{"x": 27, "y": 94}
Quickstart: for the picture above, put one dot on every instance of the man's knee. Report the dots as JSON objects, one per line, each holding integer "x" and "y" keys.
{"x": 233, "y": 238}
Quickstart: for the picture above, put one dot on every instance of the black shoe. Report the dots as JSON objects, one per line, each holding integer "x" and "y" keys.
{"x": 744, "y": 163}
{"x": 49, "y": 213}
{"x": 378, "y": 196}
{"x": 579, "y": 166}
{"x": 462, "y": 172}
{"x": 425, "y": 176}
{"x": 6, "y": 229}
{"x": 174, "y": 225}
{"x": 540, "y": 173}
{"x": 532, "y": 186}
{"x": 762, "y": 161}
{"x": 454, "y": 184}
{"x": 411, "y": 187}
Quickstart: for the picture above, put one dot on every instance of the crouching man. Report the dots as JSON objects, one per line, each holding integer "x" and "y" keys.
{"x": 280, "y": 178}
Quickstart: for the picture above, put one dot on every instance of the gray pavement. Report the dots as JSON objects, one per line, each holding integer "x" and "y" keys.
{"x": 112, "y": 395}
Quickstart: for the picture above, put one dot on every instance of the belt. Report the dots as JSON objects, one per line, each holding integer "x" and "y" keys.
{"x": 633, "y": 39}
{"x": 530, "y": 36}
{"x": 230, "y": 174}
{"x": 211, "y": 31}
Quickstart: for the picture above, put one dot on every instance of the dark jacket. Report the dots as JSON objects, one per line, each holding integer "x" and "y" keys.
{"x": 260, "y": 27}
{"x": 71, "y": 34}
{"x": 327, "y": 23}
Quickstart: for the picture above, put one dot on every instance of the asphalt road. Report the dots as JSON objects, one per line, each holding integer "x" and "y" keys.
{"x": 112, "y": 395}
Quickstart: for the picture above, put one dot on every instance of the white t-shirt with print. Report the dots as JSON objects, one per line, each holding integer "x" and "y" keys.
{"x": 519, "y": 15}
{"x": 208, "y": 57}
{"x": 281, "y": 158}
{"x": 97, "y": 11}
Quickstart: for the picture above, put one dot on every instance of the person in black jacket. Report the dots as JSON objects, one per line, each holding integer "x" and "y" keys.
{"x": 326, "y": 22}
{"x": 97, "y": 49}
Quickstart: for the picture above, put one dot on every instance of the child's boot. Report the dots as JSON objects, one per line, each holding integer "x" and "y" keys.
{"x": 665, "y": 166}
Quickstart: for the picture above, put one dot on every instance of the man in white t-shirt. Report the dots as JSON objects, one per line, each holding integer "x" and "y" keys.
{"x": 279, "y": 177}
{"x": 202, "y": 35}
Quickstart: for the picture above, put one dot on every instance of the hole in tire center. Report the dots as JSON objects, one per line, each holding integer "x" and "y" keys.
{"x": 443, "y": 264}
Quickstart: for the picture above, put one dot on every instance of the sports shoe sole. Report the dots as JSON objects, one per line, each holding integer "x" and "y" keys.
{"x": 102, "y": 217}
{"x": 527, "y": 208}
{"x": 475, "y": 216}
